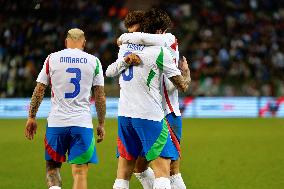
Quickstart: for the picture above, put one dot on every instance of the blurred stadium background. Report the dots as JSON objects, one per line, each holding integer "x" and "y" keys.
{"x": 236, "y": 55}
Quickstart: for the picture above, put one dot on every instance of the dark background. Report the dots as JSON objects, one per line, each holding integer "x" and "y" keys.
{"x": 235, "y": 48}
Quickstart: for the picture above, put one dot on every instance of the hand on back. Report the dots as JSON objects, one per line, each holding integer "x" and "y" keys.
{"x": 132, "y": 59}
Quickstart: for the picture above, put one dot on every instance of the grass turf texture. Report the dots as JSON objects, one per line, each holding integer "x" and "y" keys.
{"x": 216, "y": 154}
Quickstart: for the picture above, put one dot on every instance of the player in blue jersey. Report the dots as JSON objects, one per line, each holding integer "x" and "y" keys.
{"x": 71, "y": 73}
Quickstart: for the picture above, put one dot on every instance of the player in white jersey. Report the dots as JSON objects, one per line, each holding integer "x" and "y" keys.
{"x": 71, "y": 74}
{"x": 170, "y": 105}
{"x": 170, "y": 95}
{"x": 138, "y": 92}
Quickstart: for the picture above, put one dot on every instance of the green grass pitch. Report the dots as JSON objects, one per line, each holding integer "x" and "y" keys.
{"x": 216, "y": 154}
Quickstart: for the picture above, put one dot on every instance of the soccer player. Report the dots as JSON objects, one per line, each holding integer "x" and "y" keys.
{"x": 170, "y": 104}
{"x": 71, "y": 74}
{"x": 133, "y": 19}
{"x": 170, "y": 99}
{"x": 142, "y": 130}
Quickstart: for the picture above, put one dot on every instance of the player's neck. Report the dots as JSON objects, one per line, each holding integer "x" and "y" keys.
{"x": 75, "y": 48}
{"x": 75, "y": 45}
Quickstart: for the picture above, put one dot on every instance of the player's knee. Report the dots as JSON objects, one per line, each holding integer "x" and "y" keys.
{"x": 79, "y": 171}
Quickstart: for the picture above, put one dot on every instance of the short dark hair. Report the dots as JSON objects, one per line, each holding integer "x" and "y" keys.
{"x": 133, "y": 17}
{"x": 155, "y": 19}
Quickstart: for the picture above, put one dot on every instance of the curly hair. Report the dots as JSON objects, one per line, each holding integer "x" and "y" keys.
{"x": 155, "y": 19}
{"x": 133, "y": 17}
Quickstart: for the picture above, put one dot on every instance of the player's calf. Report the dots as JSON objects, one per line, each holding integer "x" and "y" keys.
{"x": 141, "y": 165}
{"x": 176, "y": 178}
{"x": 161, "y": 167}
{"x": 80, "y": 174}
{"x": 124, "y": 171}
{"x": 53, "y": 177}
{"x": 175, "y": 167}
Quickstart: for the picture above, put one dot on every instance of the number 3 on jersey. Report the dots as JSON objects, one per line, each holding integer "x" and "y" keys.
{"x": 75, "y": 81}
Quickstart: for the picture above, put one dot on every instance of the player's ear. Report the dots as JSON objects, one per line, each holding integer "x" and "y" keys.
{"x": 159, "y": 31}
{"x": 66, "y": 43}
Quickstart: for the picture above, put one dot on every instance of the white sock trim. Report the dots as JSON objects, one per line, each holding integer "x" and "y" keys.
{"x": 146, "y": 178}
{"x": 174, "y": 177}
{"x": 121, "y": 184}
{"x": 162, "y": 183}
{"x": 177, "y": 181}
{"x": 148, "y": 173}
{"x": 55, "y": 187}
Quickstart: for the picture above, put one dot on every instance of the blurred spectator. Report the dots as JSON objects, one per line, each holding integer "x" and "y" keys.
{"x": 235, "y": 48}
{"x": 30, "y": 31}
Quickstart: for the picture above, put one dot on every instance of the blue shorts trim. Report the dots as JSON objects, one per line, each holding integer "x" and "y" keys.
{"x": 175, "y": 124}
{"x": 78, "y": 142}
{"x": 136, "y": 137}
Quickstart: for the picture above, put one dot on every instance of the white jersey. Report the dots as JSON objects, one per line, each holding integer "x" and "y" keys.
{"x": 169, "y": 91}
{"x": 140, "y": 95}
{"x": 71, "y": 73}
{"x": 119, "y": 65}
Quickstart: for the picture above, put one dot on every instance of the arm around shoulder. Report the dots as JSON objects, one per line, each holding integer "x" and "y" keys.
{"x": 116, "y": 68}
{"x": 182, "y": 81}
{"x": 143, "y": 38}
{"x": 121, "y": 64}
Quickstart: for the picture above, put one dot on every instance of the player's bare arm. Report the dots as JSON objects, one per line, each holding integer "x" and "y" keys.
{"x": 31, "y": 125}
{"x": 100, "y": 103}
{"x": 147, "y": 39}
{"x": 182, "y": 81}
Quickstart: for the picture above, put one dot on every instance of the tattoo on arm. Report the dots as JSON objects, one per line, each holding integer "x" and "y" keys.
{"x": 186, "y": 76}
{"x": 182, "y": 81}
{"x": 36, "y": 99}
{"x": 100, "y": 103}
